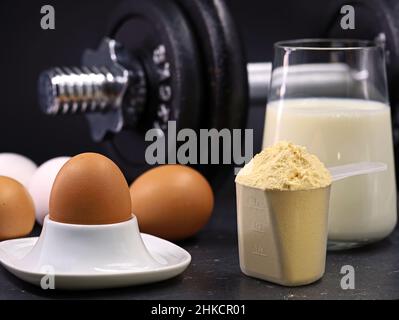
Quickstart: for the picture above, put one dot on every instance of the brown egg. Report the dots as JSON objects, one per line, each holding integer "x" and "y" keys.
{"x": 173, "y": 202}
{"x": 17, "y": 211}
{"x": 90, "y": 190}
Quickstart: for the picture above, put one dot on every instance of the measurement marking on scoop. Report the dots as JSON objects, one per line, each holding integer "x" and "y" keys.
{"x": 259, "y": 251}
{"x": 254, "y": 203}
{"x": 259, "y": 227}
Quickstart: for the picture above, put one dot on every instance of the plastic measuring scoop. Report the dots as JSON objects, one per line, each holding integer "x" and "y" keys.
{"x": 282, "y": 235}
{"x": 356, "y": 169}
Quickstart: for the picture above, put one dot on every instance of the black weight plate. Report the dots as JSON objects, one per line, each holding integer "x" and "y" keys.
{"x": 142, "y": 27}
{"x": 227, "y": 93}
{"x": 372, "y": 17}
{"x": 226, "y": 104}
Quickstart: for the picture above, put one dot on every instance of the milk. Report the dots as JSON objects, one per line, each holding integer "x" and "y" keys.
{"x": 341, "y": 131}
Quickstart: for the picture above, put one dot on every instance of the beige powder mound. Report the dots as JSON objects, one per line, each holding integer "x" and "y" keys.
{"x": 285, "y": 166}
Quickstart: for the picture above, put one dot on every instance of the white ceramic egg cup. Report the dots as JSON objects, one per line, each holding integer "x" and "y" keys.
{"x": 82, "y": 257}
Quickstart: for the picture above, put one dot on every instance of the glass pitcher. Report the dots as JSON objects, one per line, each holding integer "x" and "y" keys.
{"x": 331, "y": 96}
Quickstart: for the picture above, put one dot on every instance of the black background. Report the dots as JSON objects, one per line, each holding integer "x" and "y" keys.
{"x": 26, "y": 50}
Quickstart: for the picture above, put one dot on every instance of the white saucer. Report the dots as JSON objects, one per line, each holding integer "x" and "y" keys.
{"x": 111, "y": 265}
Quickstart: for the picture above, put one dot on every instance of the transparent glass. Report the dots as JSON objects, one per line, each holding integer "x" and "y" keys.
{"x": 331, "y": 96}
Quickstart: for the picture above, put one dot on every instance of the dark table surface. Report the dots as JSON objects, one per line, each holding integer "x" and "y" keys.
{"x": 215, "y": 274}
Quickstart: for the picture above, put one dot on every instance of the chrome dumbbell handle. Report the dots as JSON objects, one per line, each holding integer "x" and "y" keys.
{"x": 259, "y": 76}
{"x": 101, "y": 89}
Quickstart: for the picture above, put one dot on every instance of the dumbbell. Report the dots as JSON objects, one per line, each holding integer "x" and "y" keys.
{"x": 168, "y": 60}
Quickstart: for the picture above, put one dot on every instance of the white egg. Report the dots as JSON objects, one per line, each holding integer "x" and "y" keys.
{"x": 18, "y": 167}
{"x": 41, "y": 184}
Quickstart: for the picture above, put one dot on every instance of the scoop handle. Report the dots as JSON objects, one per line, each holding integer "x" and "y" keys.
{"x": 356, "y": 169}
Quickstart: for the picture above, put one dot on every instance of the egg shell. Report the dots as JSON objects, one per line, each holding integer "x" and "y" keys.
{"x": 173, "y": 202}
{"x": 90, "y": 190}
{"x": 41, "y": 184}
{"x": 17, "y": 212}
{"x": 18, "y": 167}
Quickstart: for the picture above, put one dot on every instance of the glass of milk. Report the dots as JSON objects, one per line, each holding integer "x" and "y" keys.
{"x": 331, "y": 96}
